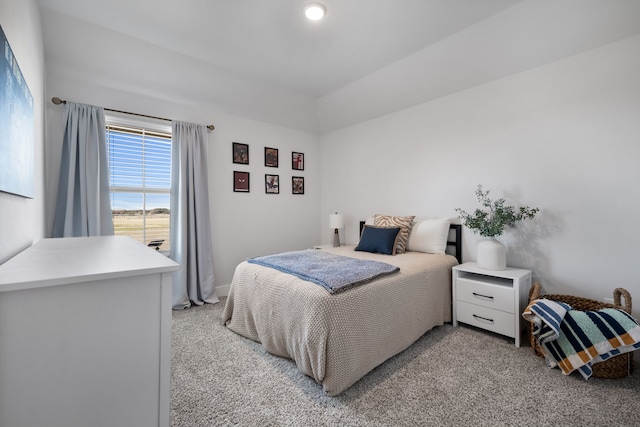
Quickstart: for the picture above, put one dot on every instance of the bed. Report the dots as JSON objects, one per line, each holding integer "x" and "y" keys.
{"x": 338, "y": 338}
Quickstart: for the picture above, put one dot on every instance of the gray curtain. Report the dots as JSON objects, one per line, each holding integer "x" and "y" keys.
{"x": 83, "y": 207}
{"x": 190, "y": 221}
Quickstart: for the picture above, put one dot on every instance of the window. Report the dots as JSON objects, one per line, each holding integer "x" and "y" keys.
{"x": 140, "y": 182}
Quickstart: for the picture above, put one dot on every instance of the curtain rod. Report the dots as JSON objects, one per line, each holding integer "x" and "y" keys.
{"x": 59, "y": 101}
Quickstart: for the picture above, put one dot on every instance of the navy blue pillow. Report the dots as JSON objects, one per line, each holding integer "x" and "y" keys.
{"x": 380, "y": 240}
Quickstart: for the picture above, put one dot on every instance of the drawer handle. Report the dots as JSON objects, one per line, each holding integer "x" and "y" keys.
{"x": 483, "y": 318}
{"x": 482, "y": 296}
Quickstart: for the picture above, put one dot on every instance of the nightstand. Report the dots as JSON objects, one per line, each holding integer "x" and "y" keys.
{"x": 491, "y": 300}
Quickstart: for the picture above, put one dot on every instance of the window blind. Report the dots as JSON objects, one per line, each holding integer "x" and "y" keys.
{"x": 140, "y": 182}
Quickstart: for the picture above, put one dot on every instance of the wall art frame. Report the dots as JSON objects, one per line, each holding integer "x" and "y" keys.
{"x": 241, "y": 182}
{"x": 271, "y": 184}
{"x": 271, "y": 157}
{"x": 297, "y": 184}
{"x": 17, "y": 128}
{"x": 297, "y": 161}
{"x": 240, "y": 153}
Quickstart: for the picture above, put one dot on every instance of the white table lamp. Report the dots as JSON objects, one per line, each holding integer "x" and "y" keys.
{"x": 336, "y": 221}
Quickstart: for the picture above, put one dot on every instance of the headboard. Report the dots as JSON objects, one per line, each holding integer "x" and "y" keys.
{"x": 455, "y": 243}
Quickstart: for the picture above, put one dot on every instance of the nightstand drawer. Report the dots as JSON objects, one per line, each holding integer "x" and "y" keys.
{"x": 486, "y": 318}
{"x": 490, "y": 295}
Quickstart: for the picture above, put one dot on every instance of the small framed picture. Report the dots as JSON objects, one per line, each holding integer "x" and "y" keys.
{"x": 240, "y": 153}
{"x": 297, "y": 184}
{"x": 271, "y": 157}
{"x": 272, "y": 184}
{"x": 297, "y": 161}
{"x": 240, "y": 182}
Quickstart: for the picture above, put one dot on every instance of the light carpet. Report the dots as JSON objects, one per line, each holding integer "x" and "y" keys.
{"x": 450, "y": 377}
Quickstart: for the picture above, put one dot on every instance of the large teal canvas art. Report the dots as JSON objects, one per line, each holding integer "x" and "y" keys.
{"x": 16, "y": 126}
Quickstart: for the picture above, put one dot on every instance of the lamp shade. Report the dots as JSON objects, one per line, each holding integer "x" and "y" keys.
{"x": 336, "y": 220}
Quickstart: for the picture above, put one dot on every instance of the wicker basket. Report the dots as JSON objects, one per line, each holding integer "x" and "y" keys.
{"x": 616, "y": 367}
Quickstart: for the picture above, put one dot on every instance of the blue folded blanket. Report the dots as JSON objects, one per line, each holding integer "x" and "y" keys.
{"x": 335, "y": 273}
{"x": 575, "y": 340}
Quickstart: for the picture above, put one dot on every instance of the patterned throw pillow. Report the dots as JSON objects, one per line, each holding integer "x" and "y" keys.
{"x": 404, "y": 222}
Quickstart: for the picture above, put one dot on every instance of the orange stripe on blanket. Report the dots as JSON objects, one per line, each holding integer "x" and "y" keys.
{"x": 627, "y": 339}
{"x": 592, "y": 351}
{"x": 585, "y": 355}
{"x": 565, "y": 365}
{"x": 614, "y": 342}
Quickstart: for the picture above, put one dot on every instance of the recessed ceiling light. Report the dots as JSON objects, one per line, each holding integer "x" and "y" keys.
{"x": 315, "y": 11}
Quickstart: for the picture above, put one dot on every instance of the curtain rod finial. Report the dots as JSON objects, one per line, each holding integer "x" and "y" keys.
{"x": 211, "y": 127}
{"x": 58, "y": 101}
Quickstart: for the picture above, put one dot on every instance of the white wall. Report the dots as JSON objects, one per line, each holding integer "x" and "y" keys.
{"x": 563, "y": 137}
{"x": 243, "y": 225}
{"x": 525, "y": 35}
{"x": 22, "y": 220}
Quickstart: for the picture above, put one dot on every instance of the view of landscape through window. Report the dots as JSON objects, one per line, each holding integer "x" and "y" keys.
{"x": 140, "y": 183}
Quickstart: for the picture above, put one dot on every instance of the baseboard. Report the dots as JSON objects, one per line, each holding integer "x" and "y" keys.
{"x": 223, "y": 291}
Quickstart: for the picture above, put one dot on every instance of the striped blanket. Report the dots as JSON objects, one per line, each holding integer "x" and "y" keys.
{"x": 575, "y": 340}
{"x": 335, "y": 273}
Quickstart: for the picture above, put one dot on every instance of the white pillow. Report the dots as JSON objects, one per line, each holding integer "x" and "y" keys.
{"x": 429, "y": 235}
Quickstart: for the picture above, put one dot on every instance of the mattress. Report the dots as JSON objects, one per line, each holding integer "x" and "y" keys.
{"x": 336, "y": 339}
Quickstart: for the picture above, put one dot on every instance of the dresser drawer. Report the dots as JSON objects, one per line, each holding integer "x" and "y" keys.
{"x": 491, "y": 295}
{"x": 486, "y": 318}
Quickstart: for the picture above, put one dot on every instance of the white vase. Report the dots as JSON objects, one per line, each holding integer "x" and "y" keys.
{"x": 492, "y": 255}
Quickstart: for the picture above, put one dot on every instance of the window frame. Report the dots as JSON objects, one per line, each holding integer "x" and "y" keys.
{"x": 144, "y": 127}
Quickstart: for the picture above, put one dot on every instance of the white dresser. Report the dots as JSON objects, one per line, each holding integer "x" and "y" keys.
{"x": 491, "y": 300}
{"x": 85, "y": 334}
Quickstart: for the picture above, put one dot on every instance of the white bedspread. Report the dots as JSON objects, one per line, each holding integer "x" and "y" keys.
{"x": 337, "y": 339}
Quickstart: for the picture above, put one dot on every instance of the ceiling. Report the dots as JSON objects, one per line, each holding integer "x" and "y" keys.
{"x": 273, "y": 42}
{"x": 268, "y": 48}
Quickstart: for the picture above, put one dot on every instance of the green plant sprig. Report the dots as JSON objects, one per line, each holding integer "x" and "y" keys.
{"x": 495, "y": 216}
